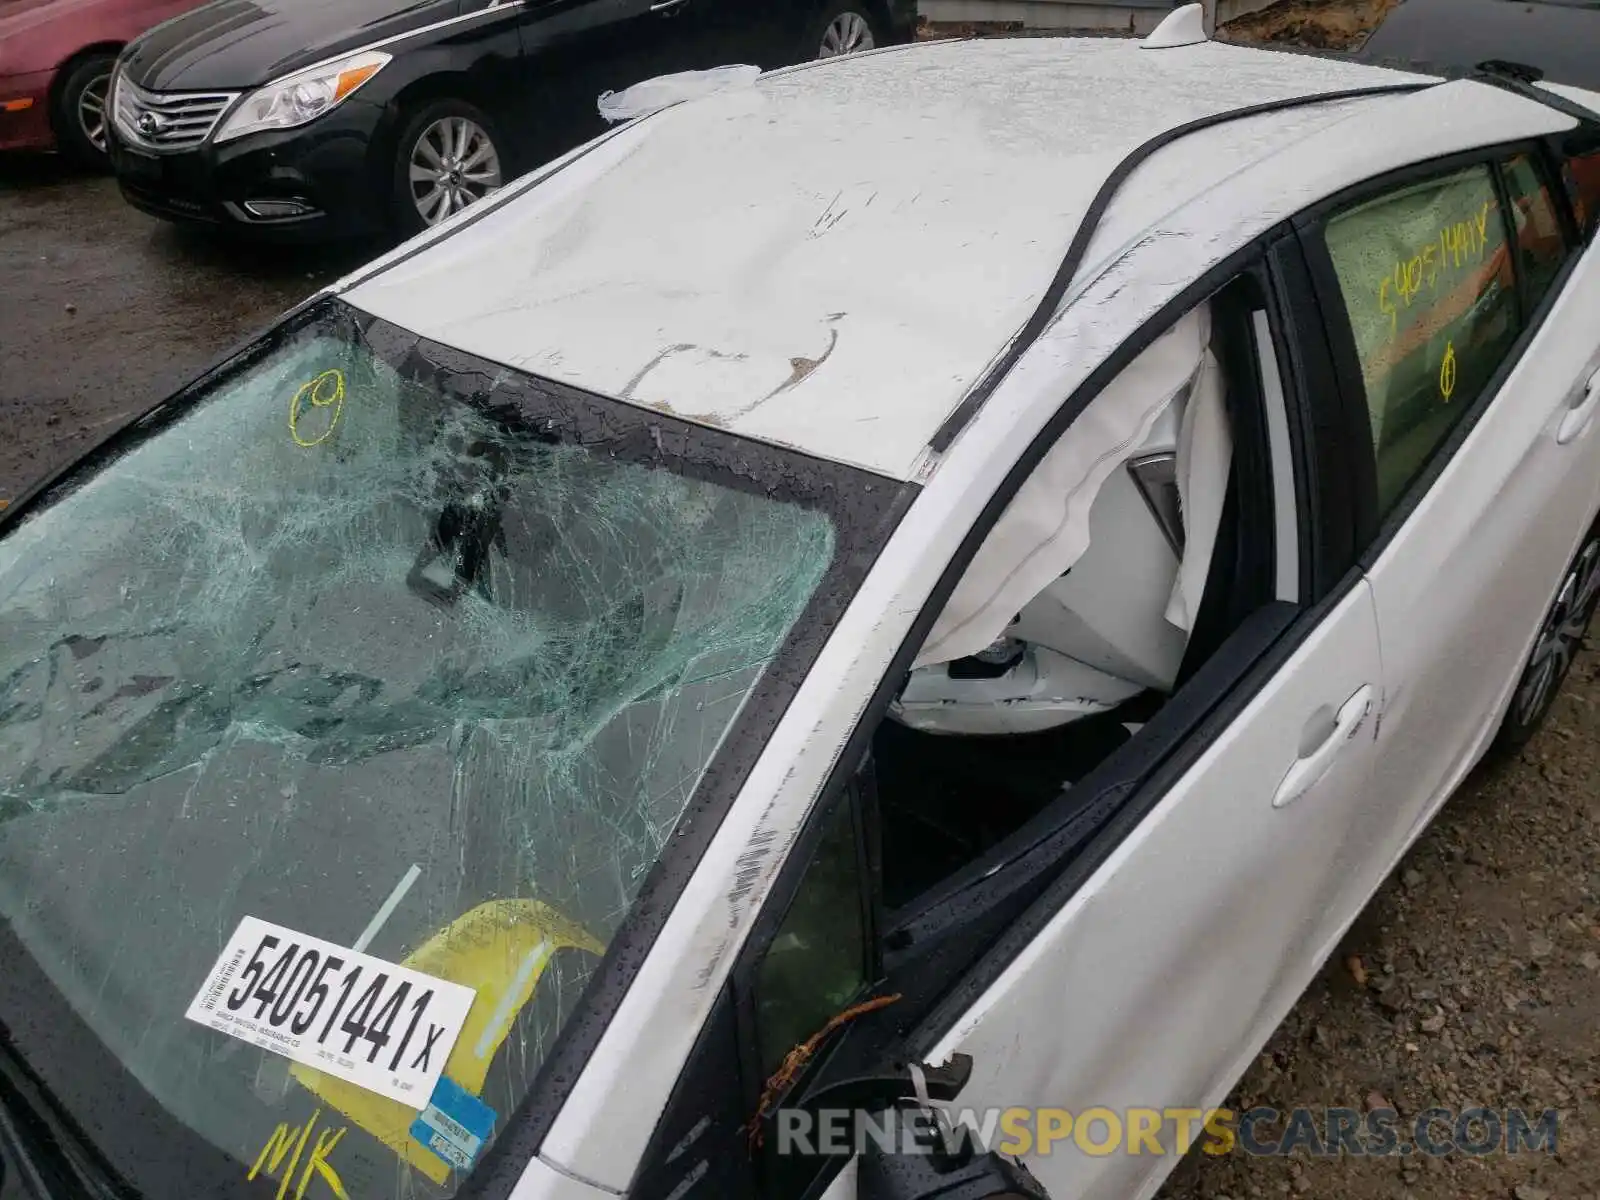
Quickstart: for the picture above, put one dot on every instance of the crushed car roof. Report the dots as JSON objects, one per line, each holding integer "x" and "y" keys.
{"x": 830, "y": 257}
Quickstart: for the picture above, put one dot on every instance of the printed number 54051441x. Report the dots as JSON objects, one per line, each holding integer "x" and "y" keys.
{"x": 379, "y": 1025}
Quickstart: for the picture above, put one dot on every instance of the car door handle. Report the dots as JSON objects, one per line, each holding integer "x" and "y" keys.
{"x": 1311, "y": 766}
{"x": 666, "y": 6}
{"x": 1581, "y": 412}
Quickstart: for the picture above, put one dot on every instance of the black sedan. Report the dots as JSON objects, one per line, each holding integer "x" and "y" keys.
{"x": 303, "y": 119}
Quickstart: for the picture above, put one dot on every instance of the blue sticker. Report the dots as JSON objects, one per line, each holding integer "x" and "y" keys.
{"x": 455, "y": 1125}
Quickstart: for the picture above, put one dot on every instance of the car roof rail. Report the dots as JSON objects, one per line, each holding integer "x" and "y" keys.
{"x": 1044, "y": 311}
{"x": 1523, "y": 80}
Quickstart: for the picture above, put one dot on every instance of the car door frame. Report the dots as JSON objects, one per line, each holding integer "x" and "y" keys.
{"x": 1375, "y": 531}
{"x": 866, "y": 1048}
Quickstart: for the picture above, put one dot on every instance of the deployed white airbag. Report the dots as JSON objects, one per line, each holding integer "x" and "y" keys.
{"x": 1045, "y": 528}
{"x": 1045, "y": 689}
{"x": 1205, "y": 454}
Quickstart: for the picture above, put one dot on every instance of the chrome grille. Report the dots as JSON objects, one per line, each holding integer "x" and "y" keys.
{"x": 168, "y": 120}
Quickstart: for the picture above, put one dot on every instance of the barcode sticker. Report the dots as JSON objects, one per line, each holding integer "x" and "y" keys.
{"x": 376, "y": 1024}
{"x": 221, "y": 985}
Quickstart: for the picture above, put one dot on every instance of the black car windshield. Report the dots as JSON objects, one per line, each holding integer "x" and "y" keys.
{"x": 397, "y": 649}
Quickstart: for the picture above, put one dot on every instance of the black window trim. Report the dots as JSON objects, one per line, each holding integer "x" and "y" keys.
{"x": 1220, "y": 692}
{"x": 1546, "y": 167}
{"x": 746, "y": 972}
{"x": 1374, "y": 530}
{"x": 1324, "y": 460}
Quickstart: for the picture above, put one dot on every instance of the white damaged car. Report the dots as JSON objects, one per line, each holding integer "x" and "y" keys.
{"x": 935, "y": 582}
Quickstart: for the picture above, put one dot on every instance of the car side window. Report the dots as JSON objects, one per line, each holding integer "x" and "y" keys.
{"x": 1429, "y": 287}
{"x": 1541, "y": 242}
{"x": 816, "y": 963}
{"x": 1583, "y": 183}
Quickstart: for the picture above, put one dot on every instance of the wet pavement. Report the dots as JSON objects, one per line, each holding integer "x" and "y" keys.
{"x": 104, "y": 310}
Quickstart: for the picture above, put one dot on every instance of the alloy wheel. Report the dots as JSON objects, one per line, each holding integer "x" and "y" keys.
{"x": 453, "y": 164}
{"x": 846, "y": 33}
{"x": 1561, "y": 637}
{"x": 92, "y": 111}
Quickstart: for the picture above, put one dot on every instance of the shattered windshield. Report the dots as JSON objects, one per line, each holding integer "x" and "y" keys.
{"x": 392, "y": 648}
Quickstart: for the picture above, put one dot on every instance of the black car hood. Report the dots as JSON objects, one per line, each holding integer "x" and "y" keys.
{"x": 231, "y": 45}
{"x": 1560, "y": 37}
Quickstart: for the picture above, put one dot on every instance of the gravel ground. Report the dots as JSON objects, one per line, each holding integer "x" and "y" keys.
{"x": 1472, "y": 979}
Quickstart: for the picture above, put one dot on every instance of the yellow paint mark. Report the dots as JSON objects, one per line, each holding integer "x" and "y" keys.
{"x": 483, "y": 950}
{"x": 319, "y": 1165}
{"x": 1447, "y": 372}
{"x": 1459, "y": 245}
{"x": 277, "y": 1149}
{"x": 325, "y": 391}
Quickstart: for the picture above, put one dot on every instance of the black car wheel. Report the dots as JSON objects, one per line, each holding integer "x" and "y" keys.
{"x": 448, "y": 158}
{"x": 1560, "y": 638}
{"x": 82, "y": 110}
{"x": 842, "y": 27}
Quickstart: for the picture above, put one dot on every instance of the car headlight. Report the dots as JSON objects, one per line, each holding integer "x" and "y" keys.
{"x": 303, "y": 96}
{"x": 114, "y": 90}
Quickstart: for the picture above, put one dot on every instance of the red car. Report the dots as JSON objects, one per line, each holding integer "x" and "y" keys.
{"x": 55, "y": 62}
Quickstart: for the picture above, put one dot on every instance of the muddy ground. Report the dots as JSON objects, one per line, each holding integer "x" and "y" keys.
{"x": 1472, "y": 979}
{"x": 103, "y": 310}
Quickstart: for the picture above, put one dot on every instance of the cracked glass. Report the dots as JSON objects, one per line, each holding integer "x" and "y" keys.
{"x": 392, "y": 647}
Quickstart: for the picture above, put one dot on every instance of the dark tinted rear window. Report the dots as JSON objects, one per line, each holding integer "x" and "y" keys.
{"x": 1583, "y": 175}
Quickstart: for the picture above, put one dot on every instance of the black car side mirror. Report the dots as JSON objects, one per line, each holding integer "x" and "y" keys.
{"x": 920, "y": 1174}
{"x": 940, "y": 1160}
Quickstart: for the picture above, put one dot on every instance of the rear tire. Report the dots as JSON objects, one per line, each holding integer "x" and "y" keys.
{"x": 449, "y": 155}
{"x": 82, "y": 112}
{"x": 842, "y": 27}
{"x": 1560, "y": 639}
